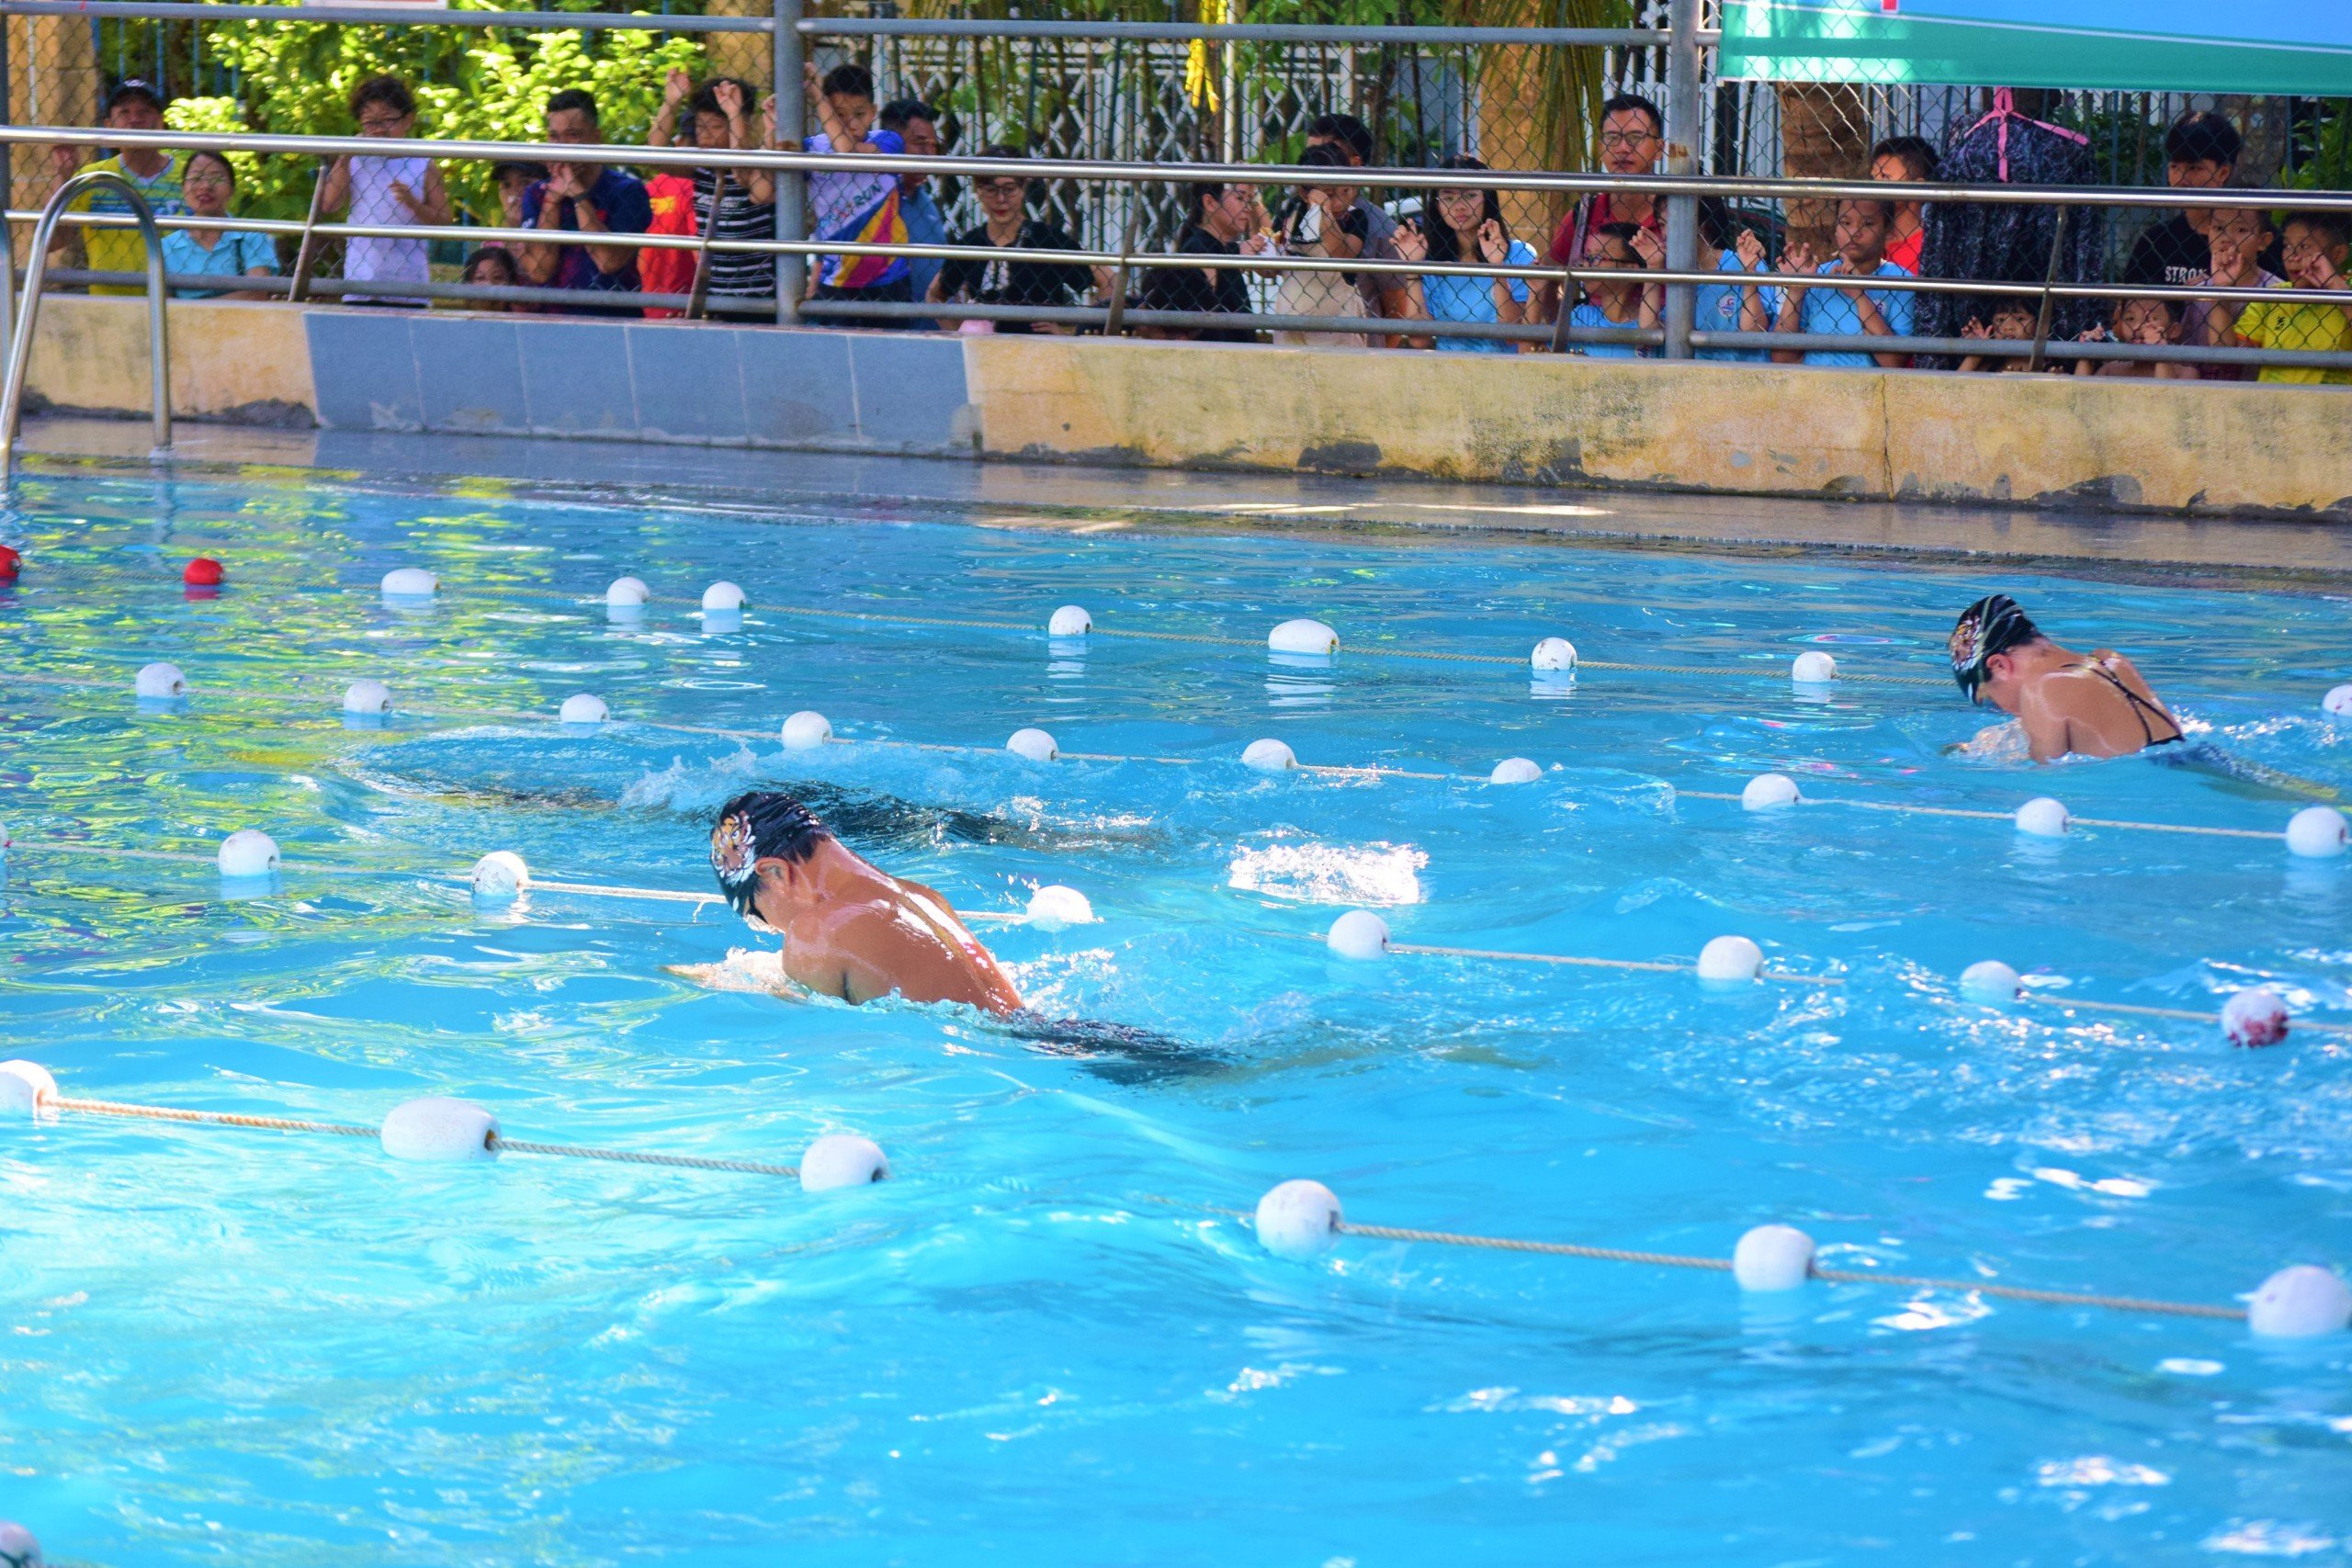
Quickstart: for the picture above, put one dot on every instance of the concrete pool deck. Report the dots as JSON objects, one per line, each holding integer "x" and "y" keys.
{"x": 2219, "y": 550}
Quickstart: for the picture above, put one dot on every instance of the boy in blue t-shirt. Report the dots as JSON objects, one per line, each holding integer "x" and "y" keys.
{"x": 1860, "y": 239}
{"x": 1608, "y": 304}
{"x": 863, "y": 208}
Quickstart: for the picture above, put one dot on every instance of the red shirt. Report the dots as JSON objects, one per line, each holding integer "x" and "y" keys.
{"x": 671, "y": 197}
{"x": 1904, "y": 252}
{"x": 1591, "y": 214}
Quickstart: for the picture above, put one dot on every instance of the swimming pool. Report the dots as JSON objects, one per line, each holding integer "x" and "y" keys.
{"x": 1040, "y": 1342}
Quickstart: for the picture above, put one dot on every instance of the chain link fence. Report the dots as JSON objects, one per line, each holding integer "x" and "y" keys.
{"x": 1173, "y": 102}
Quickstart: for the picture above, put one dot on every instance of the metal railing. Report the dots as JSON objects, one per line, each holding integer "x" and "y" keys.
{"x": 20, "y": 337}
{"x": 1678, "y": 280}
{"x": 789, "y": 18}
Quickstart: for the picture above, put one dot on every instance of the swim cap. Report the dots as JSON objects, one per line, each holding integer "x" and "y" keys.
{"x": 1993, "y": 625}
{"x": 763, "y": 825}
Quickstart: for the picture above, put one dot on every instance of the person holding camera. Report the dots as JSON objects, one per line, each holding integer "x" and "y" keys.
{"x": 1322, "y": 221}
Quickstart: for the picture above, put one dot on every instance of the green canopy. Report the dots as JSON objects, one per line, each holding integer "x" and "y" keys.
{"x": 2298, "y": 46}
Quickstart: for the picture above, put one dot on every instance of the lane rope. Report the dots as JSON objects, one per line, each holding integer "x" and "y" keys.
{"x": 497, "y": 1141}
{"x": 459, "y": 879}
{"x": 501, "y": 1144}
{"x": 1136, "y": 634}
{"x": 1835, "y": 1276}
{"x": 1983, "y": 815}
{"x": 1320, "y": 770}
{"x": 1018, "y": 917}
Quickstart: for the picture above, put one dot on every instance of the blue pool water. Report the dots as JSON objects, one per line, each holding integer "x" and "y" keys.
{"x": 1039, "y": 1345}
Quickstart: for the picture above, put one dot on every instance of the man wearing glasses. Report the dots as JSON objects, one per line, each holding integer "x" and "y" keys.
{"x": 1632, "y": 139}
{"x": 584, "y": 200}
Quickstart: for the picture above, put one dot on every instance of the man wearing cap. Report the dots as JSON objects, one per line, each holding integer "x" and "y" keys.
{"x": 133, "y": 104}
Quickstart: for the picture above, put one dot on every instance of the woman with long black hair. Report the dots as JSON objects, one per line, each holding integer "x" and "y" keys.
{"x": 1466, "y": 224}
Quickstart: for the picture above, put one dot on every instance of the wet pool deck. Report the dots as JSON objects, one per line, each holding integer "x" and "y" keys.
{"x": 2221, "y": 552}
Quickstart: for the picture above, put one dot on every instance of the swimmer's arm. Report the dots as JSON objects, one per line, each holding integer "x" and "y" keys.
{"x": 731, "y": 976}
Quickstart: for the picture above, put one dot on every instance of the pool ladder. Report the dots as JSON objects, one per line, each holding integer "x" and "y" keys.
{"x": 21, "y": 338}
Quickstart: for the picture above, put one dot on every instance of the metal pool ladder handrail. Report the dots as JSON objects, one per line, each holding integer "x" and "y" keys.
{"x": 20, "y": 339}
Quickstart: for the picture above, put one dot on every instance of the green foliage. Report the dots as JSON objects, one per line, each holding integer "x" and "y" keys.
{"x": 472, "y": 84}
{"x": 2323, "y": 146}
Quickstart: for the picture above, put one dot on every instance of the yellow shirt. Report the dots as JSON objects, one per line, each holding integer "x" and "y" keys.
{"x": 122, "y": 250}
{"x": 2286, "y": 325}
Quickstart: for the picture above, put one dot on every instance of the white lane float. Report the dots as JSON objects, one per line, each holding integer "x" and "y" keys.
{"x": 411, "y": 582}
{"x": 245, "y": 853}
{"x": 1034, "y": 745}
{"x": 806, "y": 730}
{"x": 842, "y": 1159}
{"x": 1268, "y": 756}
{"x": 1728, "y": 958}
{"x": 2043, "y": 818}
{"x": 1303, "y": 637}
{"x": 159, "y": 682}
{"x": 1358, "y": 934}
{"x": 1298, "y": 1220}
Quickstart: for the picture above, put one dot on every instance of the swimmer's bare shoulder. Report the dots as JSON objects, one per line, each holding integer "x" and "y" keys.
{"x": 821, "y": 956}
{"x": 2044, "y": 710}
{"x": 850, "y": 950}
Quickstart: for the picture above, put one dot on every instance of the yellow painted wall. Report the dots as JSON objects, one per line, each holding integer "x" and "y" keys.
{"x": 228, "y": 357}
{"x": 1742, "y": 428}
{"x": 1532, "y": 418}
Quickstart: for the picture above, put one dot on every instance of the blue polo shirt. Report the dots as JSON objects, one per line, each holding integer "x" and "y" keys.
{"x": 625, "y": 208}
{"x": 1828, "y": 310}
{"x": 234, "y": 254}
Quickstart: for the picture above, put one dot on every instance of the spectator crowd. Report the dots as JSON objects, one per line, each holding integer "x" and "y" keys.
{"x": 1587, "y": 290}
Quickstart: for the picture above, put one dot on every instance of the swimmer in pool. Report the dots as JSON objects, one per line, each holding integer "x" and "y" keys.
{"x": 2065, "y": 703}
{"x": 850, "y": 929}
